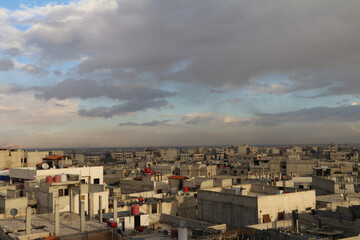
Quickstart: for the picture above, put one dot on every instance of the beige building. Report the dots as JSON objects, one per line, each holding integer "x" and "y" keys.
{"x": 248, "y": 204}
{"x": 91, "y": 175}
{"x": 196, "y": 170}
{"x": 20, "y": 158}
{"x": 336, "y": 184}
{"x": 170, "y": 154}
{"x": 122, "y": 156}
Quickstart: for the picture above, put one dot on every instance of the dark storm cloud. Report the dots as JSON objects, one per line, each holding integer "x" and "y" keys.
{"x": 342, "y": 113}
{"x": 124, "y": 109}
{"x": 219, "y": 43}
{"x": 6, "y": 65}
{"x": 154, "y": 123}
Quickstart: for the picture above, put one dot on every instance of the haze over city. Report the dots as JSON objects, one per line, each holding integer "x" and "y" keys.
{"x": 105, "y": 73}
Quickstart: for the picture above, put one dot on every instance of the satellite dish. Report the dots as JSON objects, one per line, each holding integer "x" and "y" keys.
{"x": 45, "y": 166}
{"x": 13, "y": 212}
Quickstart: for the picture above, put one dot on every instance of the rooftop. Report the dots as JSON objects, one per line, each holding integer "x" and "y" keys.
{"x": 43, "y": 223}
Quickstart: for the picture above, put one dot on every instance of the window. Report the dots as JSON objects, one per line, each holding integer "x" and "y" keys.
{"x": 66, "y": 192}
{"x": 266, "y": 218}
{"x": 308, "y": 208}
{"x": 61, "y": 192}
{"x": 25, "y": 160}
{"x": 96, "y": 181}
{"x": 154, "y": 208}
{"x": 342, "y": 186}
{"x": 82, "y": 181}
{"x": 281, "y": 216}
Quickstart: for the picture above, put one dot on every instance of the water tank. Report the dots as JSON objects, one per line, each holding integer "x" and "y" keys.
{"x": 57, "y": 179}
{"x": 49, "y": 179}
{"x": 147, "y": 170}
{"x": 63, "y": 177}
{"x": 186, "y": 189}
{"x": 182, "y": 234}
{"x": 135, "y": 209}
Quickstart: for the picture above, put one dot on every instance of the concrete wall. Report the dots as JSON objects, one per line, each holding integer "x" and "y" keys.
{"x": 300, "y": 167}
{"x": 6, "y": 204}
{"x": 323, "y": 186}
{"x": 234, "y": 210}
{"x": 273, "y": 204}
{"x": 187, "y": 207}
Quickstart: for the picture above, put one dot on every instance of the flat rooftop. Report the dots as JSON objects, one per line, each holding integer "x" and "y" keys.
{"x": 42, "y": 223}
{"x": 335, "y": 198}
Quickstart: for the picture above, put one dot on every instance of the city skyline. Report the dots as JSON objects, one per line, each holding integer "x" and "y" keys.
{"x": 98, "y": 73}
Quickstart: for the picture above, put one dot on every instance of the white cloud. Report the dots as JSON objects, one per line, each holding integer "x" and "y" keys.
{"x": 24, "y": 109}
{"x": 276, "y": 89}
{"x": 213, "y": 118}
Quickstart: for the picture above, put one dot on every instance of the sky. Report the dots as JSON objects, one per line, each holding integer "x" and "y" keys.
{"x": 125, "y": 73}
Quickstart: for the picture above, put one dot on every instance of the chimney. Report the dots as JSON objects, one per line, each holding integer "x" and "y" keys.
{"x": 115, "y": 209}
{"x": 82, "y": 216}
{"x": 28, "y": 221}
{"x": 57, "y": 217}
{"x": 100, "y": 209}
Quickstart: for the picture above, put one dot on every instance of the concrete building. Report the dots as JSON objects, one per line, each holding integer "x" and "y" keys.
{"x": 242, "y": 149}
{"x": 90, "y": 175}
{"x": 170, "y": 154}
{"x": 20, "y": 158}
{"x": 122, "y": 156}
{"x": 247, "y": 204}
{"x": 198, "y": 157}
{"x": 336, "y": 184}
{"x": 144, "y": 183}
{"x": 298, "y": 167}
{"x": 195, "y": 170}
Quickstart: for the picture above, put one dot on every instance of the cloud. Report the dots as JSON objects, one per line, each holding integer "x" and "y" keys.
{"x": 233, "y": 100}
{"x": 341, "y": 113}
{"x": 23, "y": 108}
{"x": 12, "y": 51}
{"x": 219, "y": 90}
{"x": 276, "y": 89}
{"x": 355, "y": 129}
{"x": 154, "y": 123}
{"x": 33, "y": 69}
{"x": 222, "y": 44}
{"x": 213, "y": 118}
{"x": 6, "y": 64}
{"x": 124, "y": 109}
{"x": 133, "y": 99}
{"x": 57, "y": 72}
{"x": 88, "y": 88}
